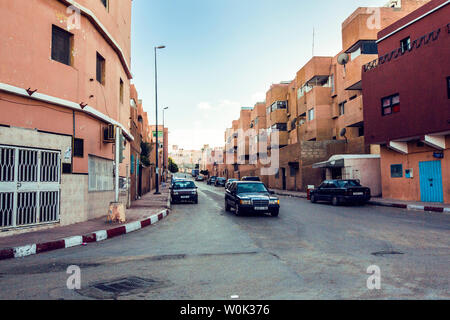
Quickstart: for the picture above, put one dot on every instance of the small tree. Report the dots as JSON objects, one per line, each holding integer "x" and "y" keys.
{"x": 173, "y": 167}
{"x": 146, "y": 148}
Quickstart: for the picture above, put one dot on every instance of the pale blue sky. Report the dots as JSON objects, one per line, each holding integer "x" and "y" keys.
{"x": 224, "y": 54}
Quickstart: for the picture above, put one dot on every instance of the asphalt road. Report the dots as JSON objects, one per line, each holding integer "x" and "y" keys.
{"x": 311, "y": 251}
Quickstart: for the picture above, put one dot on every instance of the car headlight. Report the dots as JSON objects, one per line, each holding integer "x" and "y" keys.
{"x": 274, "y": 201}
{"x": 246, "y": 202}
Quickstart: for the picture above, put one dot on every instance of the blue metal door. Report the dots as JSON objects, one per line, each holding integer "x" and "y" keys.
{"x": 431, "y": 181}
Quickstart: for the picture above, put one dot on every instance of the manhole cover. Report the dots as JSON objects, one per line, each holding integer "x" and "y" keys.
{"x": 384, "y": 253}
{"x": 124, "y": 286}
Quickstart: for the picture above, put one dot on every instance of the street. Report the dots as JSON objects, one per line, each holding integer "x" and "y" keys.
{"x": 311, "y": 251}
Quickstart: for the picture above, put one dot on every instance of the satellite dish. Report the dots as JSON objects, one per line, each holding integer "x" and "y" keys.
{"x": 343, "y": 59}
{"x": 343, "y": 132}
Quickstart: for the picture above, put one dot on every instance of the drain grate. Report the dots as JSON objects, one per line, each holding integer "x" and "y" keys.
{"x": 384, "y": 253}
{"x": 124, "y": 285}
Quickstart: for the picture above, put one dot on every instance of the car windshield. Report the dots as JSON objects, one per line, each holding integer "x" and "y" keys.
{"x": 184, "y": 185}
{"x": 251, "y": 187}
{"x": 221, "y": 179}
{"x": 347, "y": 183}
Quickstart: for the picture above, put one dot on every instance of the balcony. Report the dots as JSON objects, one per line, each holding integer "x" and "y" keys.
{"x": 353, "y": 73}
{"x": 318, "y": 96}
{"x": 278, "y": 116}
{"x": 353, "y": 112}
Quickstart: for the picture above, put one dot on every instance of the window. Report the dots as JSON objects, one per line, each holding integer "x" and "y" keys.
{"x": 361, "y": 131}
{"x": 396, "y": 171}
{"x": 66, "y": 168}
{"x": 78, "y": 148}
{"x": 311, "y": 114}
{"x": 105, "y": 3}
{"x": 292, "y": 171}
{"x": 405, "y": 44}
{"x": 100, "y": 174}
{"x": 280, "y": 126}
{"x": 332, "y": 83}
{"x": 448, "y": 87}
{"x": 390, "y": 104}
{"x": 278, "y": 105}
{"x": 355, "y": 54}
{"x": 100, "y": 69}
{"x": 342, "y": 108}
{"x": 121, "y": 91}
{"x": 61, "y": 45}
{"x": 277, "y": 175}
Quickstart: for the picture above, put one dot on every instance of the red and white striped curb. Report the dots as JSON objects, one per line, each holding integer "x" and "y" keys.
{"x": 412, "y": 207}
{"x": 36, "y": 248}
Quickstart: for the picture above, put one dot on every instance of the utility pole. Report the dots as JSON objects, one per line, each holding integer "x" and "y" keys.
{"x": 156, "y": 111}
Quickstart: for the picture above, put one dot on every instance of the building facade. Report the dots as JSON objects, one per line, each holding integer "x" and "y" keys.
{"x": 407, "y": 105}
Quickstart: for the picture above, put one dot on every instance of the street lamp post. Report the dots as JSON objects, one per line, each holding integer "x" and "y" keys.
{"x": 156, "y": 111}
{"x": 164, "y": 143}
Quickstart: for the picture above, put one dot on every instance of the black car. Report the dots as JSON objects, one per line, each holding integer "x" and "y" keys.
{"x": 250, "y": 179}
{"x": 251, "y": 197}
{"x": 183, "y": 191}
{"x": 229, "y": 182}
{"x": 220, "y": 182}
{"x": 341, "y": 191}
{"x": 211, "y": 180}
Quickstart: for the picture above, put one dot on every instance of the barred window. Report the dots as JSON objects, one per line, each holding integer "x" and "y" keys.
{"x": 100, "y": 174}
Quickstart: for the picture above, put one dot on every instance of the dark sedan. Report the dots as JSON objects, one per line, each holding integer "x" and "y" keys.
{"x": 183, "y": 191}
{"x": 211, "y": 180}
{"x": 341, "y": 191}
{"x": 251, "y": 197}
{"x": 220, "y": 182}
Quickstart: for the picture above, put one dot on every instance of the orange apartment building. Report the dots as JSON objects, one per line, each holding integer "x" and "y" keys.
{"x": 64, "y": 91}
{"x": 320, "y": 113}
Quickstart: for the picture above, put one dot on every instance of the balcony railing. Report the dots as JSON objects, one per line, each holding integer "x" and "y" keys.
{"x": 399, "y": 52}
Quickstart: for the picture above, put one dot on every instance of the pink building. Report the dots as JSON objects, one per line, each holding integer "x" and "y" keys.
{"x": 64, "y": 92}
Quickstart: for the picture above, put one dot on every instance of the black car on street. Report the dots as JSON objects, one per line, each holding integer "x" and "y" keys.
{"x": 341, "y": 191}
{"x": 220, "y": 182}
{"x": 211, "y": 180}
{"x": 183, "y": 191}
{"x": 251, "y": 197}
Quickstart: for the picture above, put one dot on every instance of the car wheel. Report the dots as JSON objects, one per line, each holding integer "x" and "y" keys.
{"x": 313, "y": 198}
{"x": 275, "y": 213}
{"x": 227, "y": 206}
{"x": 335, "y": 201}
{"x": 196, "y": 201}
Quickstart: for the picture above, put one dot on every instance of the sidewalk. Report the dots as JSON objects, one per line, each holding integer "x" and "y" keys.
{"x": 143, "y": 212}
{"x": 409, "y": 205}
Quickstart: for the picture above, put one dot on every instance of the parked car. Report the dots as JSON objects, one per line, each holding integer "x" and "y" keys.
{"x": 175, "y": 179}
{"x": 200, "y": 178}
{"x": 341, "y": 191}
{"x": 228, "y": 183}
{"x": 211, "y": 180}
{"x": 251, "y": 197}
{"x": 183, "y": 191}
{"x": 250, "y": 179}
{"x": 220, "y": 182}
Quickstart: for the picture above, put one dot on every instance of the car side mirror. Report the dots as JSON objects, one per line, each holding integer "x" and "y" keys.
{"x": 272, "y": 192}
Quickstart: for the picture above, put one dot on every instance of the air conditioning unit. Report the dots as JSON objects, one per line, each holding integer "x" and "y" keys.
{"x": 109, "y": 134}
